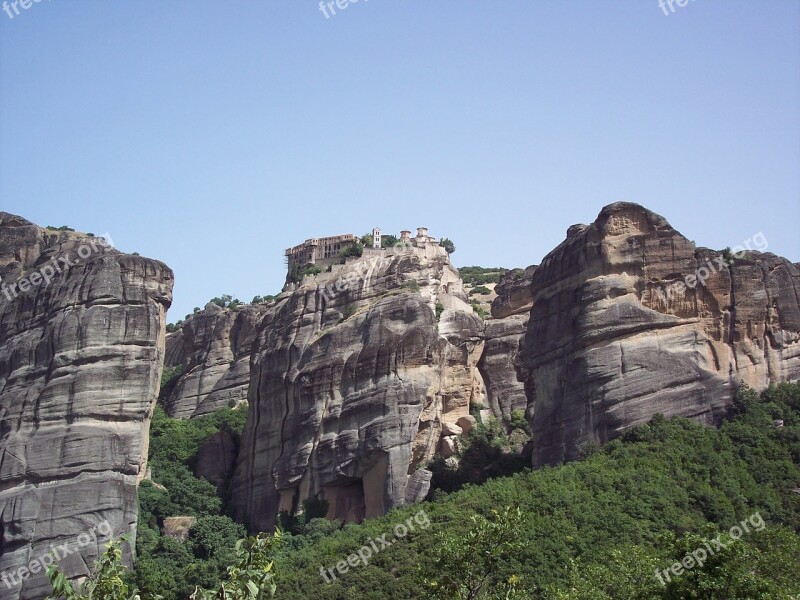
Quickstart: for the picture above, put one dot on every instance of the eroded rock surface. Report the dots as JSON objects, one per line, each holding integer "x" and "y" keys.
{"x": 216, "y": 459}
{"x": 499, "y": 364}
{"x": 81, "y": 352}
{"x": 353, "y": 377}
{"x": 213, "y": 347}
{"x": 615, "y": 336}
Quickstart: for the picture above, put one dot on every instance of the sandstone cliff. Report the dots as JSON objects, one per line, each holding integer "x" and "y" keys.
{"x": 213, "y": 347}
{"x": 81, "y": 351}
{"x": 354, "y": 382}
{"x": 499, "y": 363}
{"x": 615, "y": 334}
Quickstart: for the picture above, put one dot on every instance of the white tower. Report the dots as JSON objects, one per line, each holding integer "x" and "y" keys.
{"x": 376, "y": 237}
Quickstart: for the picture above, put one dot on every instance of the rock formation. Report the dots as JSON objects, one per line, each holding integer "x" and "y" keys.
{"x": 216, "y": 460}
{"x": 81, "y": 351}
{"x": 355, "y": 373}
{"x": 622, "y": 328}
{"x": 213, "y": 347}
{"x": 499, "y": 366}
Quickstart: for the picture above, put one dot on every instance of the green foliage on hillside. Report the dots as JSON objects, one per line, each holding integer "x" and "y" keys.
{"x": 479, "y": 310}
{"x": 251, "y": 576}
{"x": 606, "y": 527}
{"x": 167, "y": 566}
{"x": 599, "y": 528}
{"x": 486, "y": 452}
{"x": 480, "y": 290}
{"x": 108, "y": 579}
{"x": 481, "y": 275}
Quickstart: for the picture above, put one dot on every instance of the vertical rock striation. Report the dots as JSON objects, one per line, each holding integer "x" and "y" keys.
{"x": 615, "y": 334}
{"x": 505, "y": 333}
{"x": 353, "y": 379}
{"x": 81, "y": 352}
{"x": 213, "y": 347}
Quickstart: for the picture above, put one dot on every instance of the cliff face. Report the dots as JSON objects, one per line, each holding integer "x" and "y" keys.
{"x": 616, "y": 334}
{"x": 81, "y": 351}
{"x": 353, "y": 379}
{"x": 499, "y": 363}
{"x": 213, "y": 347}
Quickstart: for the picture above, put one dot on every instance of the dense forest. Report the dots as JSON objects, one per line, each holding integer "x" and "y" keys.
{"x": 672, "y": 509}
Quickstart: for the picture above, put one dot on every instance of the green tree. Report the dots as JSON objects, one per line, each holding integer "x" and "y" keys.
{"x": 470, "y": 566}
{"x": 251, "y": 578}
{"x": 448, "y": 245}
{"x": 212, "y": 534}
{"x": 389, "y": 241}
{"x": 439, "y": 310}
{"x": 106, "y": 582}
{"x": 353, "y": 249}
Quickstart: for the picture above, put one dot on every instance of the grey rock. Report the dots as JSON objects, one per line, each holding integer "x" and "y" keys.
{"x": 500, "y": 368}
{"x": 451, "y": 429}
{"x": 174, "y": 351}
{"x": 419, "y": 483}
{"x": 467, "y": 423}
{"x": 80, "y": 363}
{"x": 178, "y": 527}
{"x": 215, "y": 349}
{"x": 614, "y": 338}
{"x": 513, "y": 293}
{"x": 502, "y": 372}
{"x": 351, "y": 378}
{"x": 216, "y": 459}
{"x": 448, "y": 446}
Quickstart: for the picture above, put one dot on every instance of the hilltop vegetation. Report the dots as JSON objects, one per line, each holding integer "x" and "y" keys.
{"x": 481, "y": 275}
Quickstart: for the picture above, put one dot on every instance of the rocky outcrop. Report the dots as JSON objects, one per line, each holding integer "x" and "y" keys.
{"x": 213, "y": 347}
{"x": 81, "y": 351}
{"x": 216, "y": 459}
{"x": 353, "y": 377}
{"x": 174, "y": 349}
{"x": 499, "y": 363}
{"x": 178, "y": 528}
{"x": 513, "y": 293}
{"x": 629, "y": 319}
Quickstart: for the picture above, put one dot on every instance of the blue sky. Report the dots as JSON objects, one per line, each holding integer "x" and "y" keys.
{"x": 213, "y": 135}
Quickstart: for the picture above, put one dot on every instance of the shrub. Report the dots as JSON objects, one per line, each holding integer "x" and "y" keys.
{"x": 411, "y": 284}
{"x": 355, "y": 249}
{"x": 481, "y": 289}
{"x": 518, "y": 421}
{"x": 482, "y": 275}
{"x": 107, "y": 579}
{"x": 297, "y": 273}
{"x": 348, "y": 311}
{"x": 225, "y": 301}
{"x": 479, "y": 310}
{"x": 389, "y": 241}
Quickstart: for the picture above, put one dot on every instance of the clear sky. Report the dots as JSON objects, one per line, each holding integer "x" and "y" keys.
{"x": 214, "y": 134}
